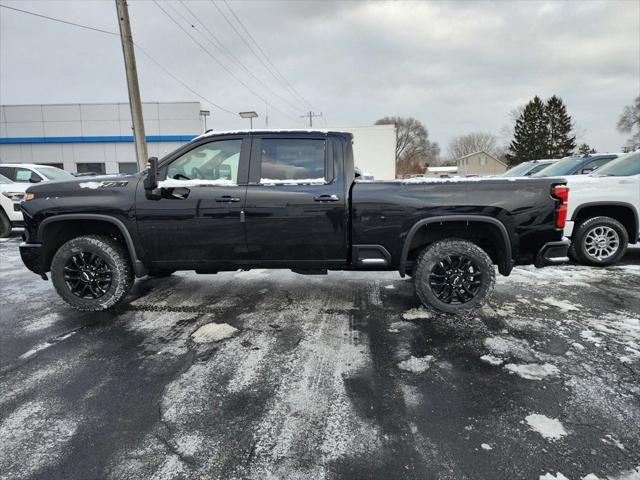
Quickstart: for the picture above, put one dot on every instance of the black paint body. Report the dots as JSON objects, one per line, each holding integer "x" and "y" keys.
{"x": 293, "y": 226}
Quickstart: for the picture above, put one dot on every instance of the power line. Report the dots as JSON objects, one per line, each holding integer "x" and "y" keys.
{"x": 143, "y": 51}
{"x": 252, "y": 50}
{"x": 60, "y": 20}
{"x": 286, "y": 82}
{"x": 214, "y": 58}
{"x": 225, "y": 51}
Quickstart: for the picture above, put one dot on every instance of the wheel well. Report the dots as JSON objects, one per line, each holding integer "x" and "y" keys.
{"x": 60, "y": 232}
{"x": 623, "y": 214}
{"x": 485, "y": 235}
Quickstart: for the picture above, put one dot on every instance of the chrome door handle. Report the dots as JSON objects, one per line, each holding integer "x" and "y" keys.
{"x": 227, "y": 199}
{"x": 326, "y": 198}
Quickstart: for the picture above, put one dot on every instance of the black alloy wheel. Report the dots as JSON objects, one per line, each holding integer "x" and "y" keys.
{"x": 456, "y": 279}
{"x": 87, "y": 275}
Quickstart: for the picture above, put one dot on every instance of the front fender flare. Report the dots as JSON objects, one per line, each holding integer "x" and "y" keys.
{"x": 138, "y": 267}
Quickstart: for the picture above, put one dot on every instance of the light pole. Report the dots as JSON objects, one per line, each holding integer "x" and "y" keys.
{"x": 250, "y": 116}
{"x": 204, "y": 114}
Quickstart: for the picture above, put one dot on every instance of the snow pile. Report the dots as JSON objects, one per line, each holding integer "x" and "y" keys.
{"x": 416, "y": 364}
{"x": 213, "y": 332}
{"x": 508, "y": 346}
{"x": 550, "y": 476}
{"x": 491, "y": 360}
{"x": 176, "y": 183}
{"x": 417, "y": 314}
{"x": 533, "y": 371}
{"x": 419, "y": 180}
{"x": 486, "y": 446}
{"x": 549, "y": 428}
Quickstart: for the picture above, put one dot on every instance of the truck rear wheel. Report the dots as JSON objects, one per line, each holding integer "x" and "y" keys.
{"x": 454, "y": 276}
{"x": 92, "y": 273}
{"x": 599, "y": 241}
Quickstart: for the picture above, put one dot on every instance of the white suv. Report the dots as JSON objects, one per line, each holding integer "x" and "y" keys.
{"x": 33, "y": 173}
{"x": 11, "y": 194}
{"x": 604, "y": 211}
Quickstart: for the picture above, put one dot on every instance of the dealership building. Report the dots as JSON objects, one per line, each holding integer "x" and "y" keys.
{"x": 98, "y": 137}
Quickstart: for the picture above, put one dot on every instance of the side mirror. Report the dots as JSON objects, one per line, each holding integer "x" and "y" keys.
{"x": 151, "y": 180}
{"x": 357, "y": 172}
{"x": 34, "y": 178}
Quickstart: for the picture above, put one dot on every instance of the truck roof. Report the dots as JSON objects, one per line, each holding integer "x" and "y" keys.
{"x": 209, "y": 133}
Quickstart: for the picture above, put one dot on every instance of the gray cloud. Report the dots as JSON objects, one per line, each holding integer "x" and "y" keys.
{"x": 457, "y": 66}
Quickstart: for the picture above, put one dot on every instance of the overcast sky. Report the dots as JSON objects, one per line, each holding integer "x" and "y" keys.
{"x": 458, "y": 67}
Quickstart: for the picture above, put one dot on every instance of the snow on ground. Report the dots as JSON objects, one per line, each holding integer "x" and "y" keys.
{"x": 549, "y": 428}
{"x": 418, "y": 313}
{"x": 533, "y": 371}
{"x": 213, "y": 332}
{"x": 416, "y": 364}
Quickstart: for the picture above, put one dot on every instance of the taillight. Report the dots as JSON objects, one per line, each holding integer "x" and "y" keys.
{"x": 561, "y": 192}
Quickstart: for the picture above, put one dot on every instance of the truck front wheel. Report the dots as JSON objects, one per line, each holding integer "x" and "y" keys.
{"x": 454, "y": 276}
{"x": 599, "y": 241}
{"x": 92, "y": 273}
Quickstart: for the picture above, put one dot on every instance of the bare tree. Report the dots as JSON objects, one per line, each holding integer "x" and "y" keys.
{"x": 473, "y": 142}
{"x": 630, "y": 121}
{"x": 414, "y": 150}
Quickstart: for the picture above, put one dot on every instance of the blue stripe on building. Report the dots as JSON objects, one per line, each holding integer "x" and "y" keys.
{"x": 100, "y": 139}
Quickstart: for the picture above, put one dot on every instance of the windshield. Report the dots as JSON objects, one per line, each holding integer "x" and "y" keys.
{"x": 518, "y": 170}
{"x": 621, "y": 167}
{"x": 4, "y": 179}
{"x": 53, "y": 173}
{"x": 561, "y": 167}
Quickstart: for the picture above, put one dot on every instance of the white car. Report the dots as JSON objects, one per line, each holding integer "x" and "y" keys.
{"x": 604, "y": 211}
{"x": 33, "y": 173}
{"x": 11, "y": 194}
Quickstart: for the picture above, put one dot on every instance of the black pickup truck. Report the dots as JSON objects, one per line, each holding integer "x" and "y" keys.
{"x": 286, "y": 199}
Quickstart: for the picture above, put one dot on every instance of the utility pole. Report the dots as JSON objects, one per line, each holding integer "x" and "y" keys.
{"x": 132, "y": 83}
{"x": 311, "y": 116}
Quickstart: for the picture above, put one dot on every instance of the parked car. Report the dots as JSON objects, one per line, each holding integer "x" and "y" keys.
{"x": 291, "y": 202}
{"x": 577, "y": 165}
{"x": 526, "y": 169}
{"x": 32, "y": 173}
{"x": 604, "y": 211}
{"x": 11, "y": 194}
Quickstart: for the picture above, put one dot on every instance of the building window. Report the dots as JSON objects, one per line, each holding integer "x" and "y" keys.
{"x": 483, "y": 160}
{"x": 91, "y": 168}
{"x": 127, "y": 167}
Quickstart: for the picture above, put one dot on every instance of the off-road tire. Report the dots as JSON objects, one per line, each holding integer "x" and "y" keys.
{"x": 112, "y": 253}
{"x": 578, "y": 248}
{"x": 439, "y": 251}
{"x": 5, "y": 225}
{"x": 160, "y": 272}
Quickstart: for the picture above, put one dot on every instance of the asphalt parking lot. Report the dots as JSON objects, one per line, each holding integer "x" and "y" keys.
{"x": 336, "y": 377}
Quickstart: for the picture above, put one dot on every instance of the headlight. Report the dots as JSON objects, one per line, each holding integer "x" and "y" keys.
{"x": 14, "y": 196}
{"x": 29, "y": 196}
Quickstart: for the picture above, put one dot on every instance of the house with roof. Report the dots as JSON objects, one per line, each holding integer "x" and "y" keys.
{"x": 480, "y": 164}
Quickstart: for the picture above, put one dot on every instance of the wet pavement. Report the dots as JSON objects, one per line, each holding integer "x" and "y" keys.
{"x": 329, "y": 377}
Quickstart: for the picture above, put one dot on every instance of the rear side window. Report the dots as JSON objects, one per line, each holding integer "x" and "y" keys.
{"x": 8, "y": 172}
{"x": 591, "y": 166}
{"x": 294, "y": 160}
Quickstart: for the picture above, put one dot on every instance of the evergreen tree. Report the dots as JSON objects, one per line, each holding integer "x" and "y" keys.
{"x": 584, "y": 149}
{"x": 531, "y": 134}
{"x": 561, "y": 142}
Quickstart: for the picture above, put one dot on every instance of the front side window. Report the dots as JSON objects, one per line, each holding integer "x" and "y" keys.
{"x": 213, "y": 161}
{"x": 292, "y": 161}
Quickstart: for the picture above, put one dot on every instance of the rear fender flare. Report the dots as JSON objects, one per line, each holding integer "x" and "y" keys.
{"x": 503, "y": 266}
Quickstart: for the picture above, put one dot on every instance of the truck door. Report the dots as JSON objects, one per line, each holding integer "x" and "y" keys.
{"x": 198, "y": 219}
{"x": 296, "y": 210}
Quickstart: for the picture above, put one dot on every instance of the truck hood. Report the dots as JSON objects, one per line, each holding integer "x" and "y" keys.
{"x": 85, "y": 185}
